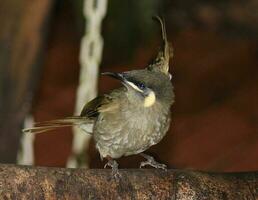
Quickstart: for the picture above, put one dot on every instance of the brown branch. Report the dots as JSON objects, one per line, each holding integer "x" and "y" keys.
{"x": 22, "y": 182}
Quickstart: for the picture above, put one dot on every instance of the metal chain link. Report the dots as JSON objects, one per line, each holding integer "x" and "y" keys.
{"x": 90, "y": 58}
{"x": 26, "y": 152}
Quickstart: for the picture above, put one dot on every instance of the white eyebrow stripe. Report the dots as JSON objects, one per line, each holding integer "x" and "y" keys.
{"x": 133, "y": 86}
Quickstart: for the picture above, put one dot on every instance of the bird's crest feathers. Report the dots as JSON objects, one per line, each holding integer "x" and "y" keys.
{"x": 161, "y": 62}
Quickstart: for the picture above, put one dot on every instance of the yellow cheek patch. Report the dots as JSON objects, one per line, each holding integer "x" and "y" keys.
{"x": 150, "y": 99}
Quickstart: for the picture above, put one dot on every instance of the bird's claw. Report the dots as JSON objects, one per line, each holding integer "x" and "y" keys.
{"x": 114, "y": 166}
{"x": 150, "y": 161}
{"x": 108, "y": 164}
{"x": 155, "y": 165}
{"x": 116, "y": 174}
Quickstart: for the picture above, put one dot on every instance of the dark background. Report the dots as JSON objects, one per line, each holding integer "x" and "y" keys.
{"x": 214, "y": 119}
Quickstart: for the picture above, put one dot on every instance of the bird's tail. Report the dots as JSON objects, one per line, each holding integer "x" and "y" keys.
{"x": 45, "y": 126}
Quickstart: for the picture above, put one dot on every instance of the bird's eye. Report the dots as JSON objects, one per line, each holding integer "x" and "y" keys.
{"x": 141, "y": 86}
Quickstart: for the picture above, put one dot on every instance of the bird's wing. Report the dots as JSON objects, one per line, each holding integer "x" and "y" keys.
{"x": 88, "y": 115}
{"x": 91, "y": 109}
{"x": 105, "y": 103}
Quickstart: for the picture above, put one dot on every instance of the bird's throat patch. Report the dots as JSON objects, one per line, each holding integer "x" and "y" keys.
{"x": 150, "y": 99}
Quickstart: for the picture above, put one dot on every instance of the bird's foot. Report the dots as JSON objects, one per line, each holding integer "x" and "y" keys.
{"x": 114, "y": 166}
{"x": 150, "y": 161}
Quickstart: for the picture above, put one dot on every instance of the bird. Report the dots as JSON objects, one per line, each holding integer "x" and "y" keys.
{"x": 130, "y": 119}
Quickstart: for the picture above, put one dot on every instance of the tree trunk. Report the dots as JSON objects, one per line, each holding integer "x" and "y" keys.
{"x": 22, "y": 182}
{"x": 23, "y": 25}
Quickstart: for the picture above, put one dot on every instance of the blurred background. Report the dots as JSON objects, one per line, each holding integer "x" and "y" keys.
{"x": 215, "y": 74}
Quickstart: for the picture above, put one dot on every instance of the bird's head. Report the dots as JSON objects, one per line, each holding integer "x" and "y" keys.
{"x": 148, "y": 86}
{"x": 151, "y": 84}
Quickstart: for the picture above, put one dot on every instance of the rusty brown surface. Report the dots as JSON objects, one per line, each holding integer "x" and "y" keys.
{"x": 22, "y": 182}
{"x": 22, "y": 33}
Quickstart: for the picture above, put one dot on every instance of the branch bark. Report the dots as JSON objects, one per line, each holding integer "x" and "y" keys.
{"x": 23, "y": 182}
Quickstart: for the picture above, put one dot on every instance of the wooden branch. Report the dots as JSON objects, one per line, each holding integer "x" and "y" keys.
{"x": 22, "y": 182}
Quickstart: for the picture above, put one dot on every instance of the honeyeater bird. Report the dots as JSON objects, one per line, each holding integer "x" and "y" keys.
{"x": 129, "y": 119}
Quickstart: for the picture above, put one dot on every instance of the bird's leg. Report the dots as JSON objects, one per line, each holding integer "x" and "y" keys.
{"x": 150, "y": 161}
{"x": 114, "y": 165}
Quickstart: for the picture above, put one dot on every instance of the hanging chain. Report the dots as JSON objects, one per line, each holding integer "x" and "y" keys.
{"x": 90, "y": 58}
{"x": 26, "y": 153}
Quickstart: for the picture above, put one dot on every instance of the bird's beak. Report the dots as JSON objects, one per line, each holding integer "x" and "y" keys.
{"x": 115, "y": 75}
{"x": 122, "y": 78}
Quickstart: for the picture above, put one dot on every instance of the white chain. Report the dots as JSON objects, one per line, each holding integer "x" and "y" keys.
{"x": 90, "y": 58}
{"x": 26, "y": 153}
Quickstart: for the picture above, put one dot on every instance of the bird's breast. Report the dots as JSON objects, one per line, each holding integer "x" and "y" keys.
{"x": 130, "y": 131}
